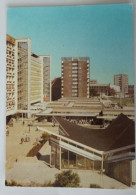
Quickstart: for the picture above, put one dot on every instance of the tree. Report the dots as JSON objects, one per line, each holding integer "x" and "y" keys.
{"x": 67, "y": 179}
{"x": 111, "y": 91}
{"x": 45, "y": 136}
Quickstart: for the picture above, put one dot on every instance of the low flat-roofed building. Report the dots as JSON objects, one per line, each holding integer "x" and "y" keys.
{"x": 122, "y": 81}
{"x": 103, "y": 89}
{"x": 93, "y": 81}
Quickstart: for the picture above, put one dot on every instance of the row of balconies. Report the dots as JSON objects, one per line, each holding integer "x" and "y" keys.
{"x": 74, "y": 68}
{"x": 10, "y": 47}
{"x": 46, "y": 75}
{"x": 10, "y": 81}
{"x": 75, "y": 72}
{"x": 10, "y": 103}
{"x": 10, "y": 66}
{"x": 10, "y": 61}
{"x": 10, "y": 95}
{"x": 11, "y": 99}
{"x": 74, "y": 86}
{"x": 10, "y": 71}
{"x": 9, "y": 91}
{"x": 10, "y": 76}
{"x": 10, "y": 52}
{"x": 74, "y": 94}
{"x": 10, "y": 86}
{"x": 22, "y": 59}
{"x": 74, "y": 79}
{"x": 23, "y": 69}
{"x": 10, "y": 57}
{"x": 10, "y": 108}
{"x": 46, "y": 69}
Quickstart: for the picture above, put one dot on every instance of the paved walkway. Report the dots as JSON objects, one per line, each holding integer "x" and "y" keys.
{"x": 29, "y": 169}
{"x": 40, "y": 173}
{"x": 14, "y": 148}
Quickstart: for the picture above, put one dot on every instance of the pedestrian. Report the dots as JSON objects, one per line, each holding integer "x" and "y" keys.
{"x": 22, "y": 140}
{"x": 37, "y": 139}
{"x": 26, "y": 138}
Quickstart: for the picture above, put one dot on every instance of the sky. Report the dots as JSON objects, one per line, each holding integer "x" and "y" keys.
{"x": 102, "y": 32}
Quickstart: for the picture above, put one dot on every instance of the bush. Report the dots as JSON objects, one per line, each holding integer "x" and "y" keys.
{"x": 95, "y": 186}
{"x": 67, "y": 179}
{"x": 45, "y": 137}
{"x": 32, "y": 184}
{"x": 12, "y": 183}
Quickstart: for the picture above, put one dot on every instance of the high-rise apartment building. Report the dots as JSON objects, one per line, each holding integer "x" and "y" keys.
{"x": 46, "y": 61}
{"x": 56, "y": 89}
{"x": 75, "y": 77}
{"x": 122, "y": 81}
{"x": 10, "y": 76}
{"x": 28, "y": 76}
{"x": 36, "y": 79}
{"x": 23, "y": 55}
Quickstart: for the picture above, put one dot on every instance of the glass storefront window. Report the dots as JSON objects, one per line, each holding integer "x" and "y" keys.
{"x": 97, "y": 165}
{"x": 89, "y": 164}
{"x": 81, "y": 162}
{"x": 72, "y": 160}
{"x": 55, "y": 155}
{"x": 64, "y": 158}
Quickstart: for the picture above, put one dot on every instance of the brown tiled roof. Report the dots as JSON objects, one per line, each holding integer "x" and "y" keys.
{"x": 120, "y": 133}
